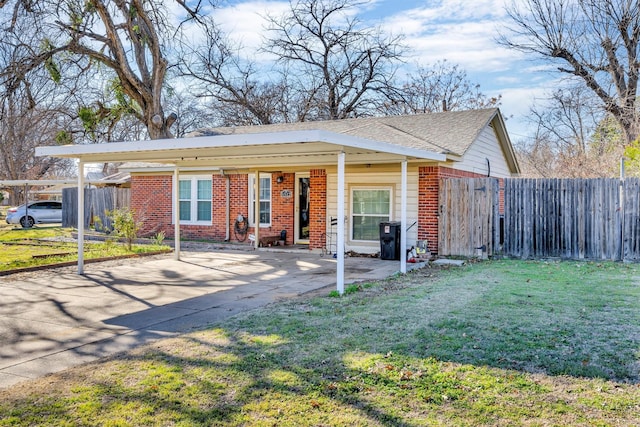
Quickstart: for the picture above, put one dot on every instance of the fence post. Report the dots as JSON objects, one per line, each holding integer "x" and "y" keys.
{"x": 622, "y": 211}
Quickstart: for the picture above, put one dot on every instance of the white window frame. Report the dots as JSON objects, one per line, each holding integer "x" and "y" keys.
{"x": 351, "y": 213}
{"x": 193, "y": 205}
{"x": 252, "y": 211}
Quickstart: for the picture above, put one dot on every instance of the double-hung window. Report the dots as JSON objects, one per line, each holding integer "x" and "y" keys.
{"x": 369, "y": 207}
{"x": 195, "y": 194}
{"x": 264, "y": 199}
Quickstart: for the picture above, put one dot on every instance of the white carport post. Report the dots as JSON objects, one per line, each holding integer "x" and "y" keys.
{"x": 80, "y": 217}
{"x": 176, "y": 213}
{"x": 403, "y": 219}
{"x": 256, "y": 210}
{"x": 340, "y": 240}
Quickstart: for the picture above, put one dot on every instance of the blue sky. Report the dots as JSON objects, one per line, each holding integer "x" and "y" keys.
{"x": 461, "y": 31}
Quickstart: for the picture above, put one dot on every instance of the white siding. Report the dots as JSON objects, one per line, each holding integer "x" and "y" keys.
{"x": 485, "y": 147}
{"x": 384, "y": 178}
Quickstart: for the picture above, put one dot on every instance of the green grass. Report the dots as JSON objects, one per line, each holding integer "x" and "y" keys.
{"x": 495, "y": 343}
{"x": 21, "y": 248}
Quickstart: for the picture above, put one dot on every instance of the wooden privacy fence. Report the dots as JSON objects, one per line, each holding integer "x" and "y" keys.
{"x": 566, "y": 218}
{"x": 468, "y": 217}
{"x": 544, "y": 218}
{"x": 97, "y": 202}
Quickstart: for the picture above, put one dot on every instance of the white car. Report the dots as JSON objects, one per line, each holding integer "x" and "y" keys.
{"x": 45, "y": 211}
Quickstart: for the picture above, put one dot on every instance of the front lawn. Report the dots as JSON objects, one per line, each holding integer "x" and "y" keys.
{"x": 45, "y": 245}
{"x": 495, "y": 343}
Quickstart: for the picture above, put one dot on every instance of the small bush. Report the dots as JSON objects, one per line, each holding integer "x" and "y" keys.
{"x": 124, "y": 224}
{"x": 97, "y": 223}
{"x": 351, "y": 289}
{"x": 158, "y": 238}
{"x": 348, "y": 290}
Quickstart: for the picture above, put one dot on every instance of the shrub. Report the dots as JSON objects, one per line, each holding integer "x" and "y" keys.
{"x": 158, "y": 238}
{"x": 124, "y": 224}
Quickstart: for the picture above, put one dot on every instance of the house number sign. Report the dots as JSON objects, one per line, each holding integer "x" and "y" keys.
{"x": 285, "y": 194}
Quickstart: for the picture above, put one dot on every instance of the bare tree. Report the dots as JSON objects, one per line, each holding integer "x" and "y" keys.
{"x": 435, "y": 88}
{"x": 240, "y": 93}
{"x": 128, "y": 37}
{"x": 32, "y": 115}
{"x": 595, "y": 41}
{"x": 341, "y": 64}
{"x": 574, "y": 138}
{"x": 192, "y": 113}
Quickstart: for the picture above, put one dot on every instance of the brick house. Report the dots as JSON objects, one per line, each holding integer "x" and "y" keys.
{"x": 298, "y": 183}
{"x": 340, "y": 178}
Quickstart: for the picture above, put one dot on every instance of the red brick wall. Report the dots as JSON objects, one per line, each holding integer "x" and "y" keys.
{"x": 151, "y": 198}
{"x": 151, "y": 202}
{"x": 282, "y": 205}
{"x": 218, "y": 207}
{"x": 238, "y": 202}
{"x": 428, "y": 203}
{"x": 428, "y": 206}
{"x": 317, "y": 207}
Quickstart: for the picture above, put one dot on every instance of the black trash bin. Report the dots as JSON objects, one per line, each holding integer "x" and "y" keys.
{"x": 390, "y": 240}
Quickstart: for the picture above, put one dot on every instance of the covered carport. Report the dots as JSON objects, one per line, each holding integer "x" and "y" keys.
{"x": 251, "y": 152}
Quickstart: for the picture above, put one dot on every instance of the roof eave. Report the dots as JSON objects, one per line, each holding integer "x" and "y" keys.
{"x": 505, "y": 142}
{"x": 97, "y": 152}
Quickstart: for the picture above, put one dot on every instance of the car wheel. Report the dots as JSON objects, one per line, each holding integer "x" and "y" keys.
{"x": 26, "y": 222}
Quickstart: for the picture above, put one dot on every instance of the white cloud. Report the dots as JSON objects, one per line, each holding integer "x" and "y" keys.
{"x": 245, "y": 22}
{"x": 464, "y": 33}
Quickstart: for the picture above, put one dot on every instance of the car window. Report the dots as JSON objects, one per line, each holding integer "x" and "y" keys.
{"x": 39, "y": 205}
{"x": 55, "y": 205}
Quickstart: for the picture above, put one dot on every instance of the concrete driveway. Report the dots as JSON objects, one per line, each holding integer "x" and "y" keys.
{"x": 52, "y": 320}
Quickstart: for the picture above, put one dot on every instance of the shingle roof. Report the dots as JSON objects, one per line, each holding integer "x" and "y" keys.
{"x": 450, "y": 132}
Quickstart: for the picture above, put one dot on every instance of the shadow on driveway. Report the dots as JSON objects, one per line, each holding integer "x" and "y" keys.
{"x": 53, "y": 320}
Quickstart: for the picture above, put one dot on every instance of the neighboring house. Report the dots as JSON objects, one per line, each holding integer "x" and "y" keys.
{"x": 298, "y": 185}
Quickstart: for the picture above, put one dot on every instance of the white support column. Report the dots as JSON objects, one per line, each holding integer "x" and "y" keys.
{"x": 80, "y": 217}
{"x": 256, "y": 210}
{"x": 176, "y": 213}
{"x": 403, "y": 219}
{"x": 340, "y": 215}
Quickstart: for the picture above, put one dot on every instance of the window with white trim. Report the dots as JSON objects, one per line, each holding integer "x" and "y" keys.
{"x": 195, "y": 195}
{"x": 369, "y": 207}
{"x": 264, "y": 200}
